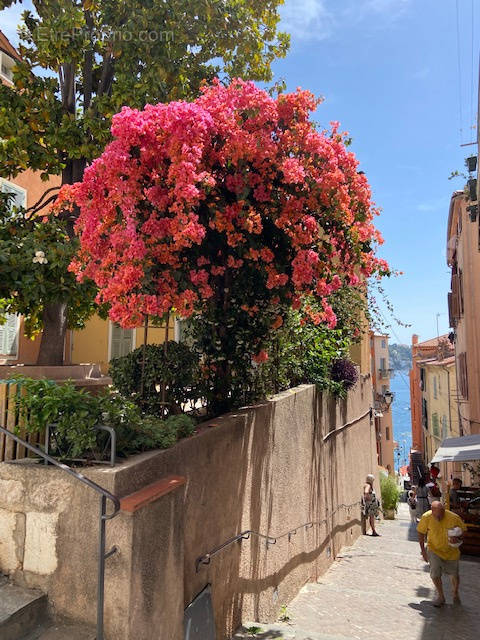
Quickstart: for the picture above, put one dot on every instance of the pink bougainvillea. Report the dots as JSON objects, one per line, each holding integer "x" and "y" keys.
{"x": 190, "y": 198}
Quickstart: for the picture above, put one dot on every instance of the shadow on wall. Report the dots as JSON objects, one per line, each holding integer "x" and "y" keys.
{"x": 276, "y": 474}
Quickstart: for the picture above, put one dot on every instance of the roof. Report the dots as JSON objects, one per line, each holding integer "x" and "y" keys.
{"x": 462, "y": 449}
{"x": 7, "y": 47}
{"x": 443, "y": 363}
{"x": 433, "y": 342}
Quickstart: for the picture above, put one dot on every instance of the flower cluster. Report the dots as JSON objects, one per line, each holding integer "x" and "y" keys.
{"x": 192, "y": 200}
{"x": 39, "y": 258}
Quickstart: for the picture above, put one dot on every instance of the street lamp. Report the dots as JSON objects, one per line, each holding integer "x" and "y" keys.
{"x": 388, "y": 398}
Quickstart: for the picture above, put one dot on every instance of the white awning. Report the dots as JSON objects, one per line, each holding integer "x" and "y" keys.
{"x": 463, "y": 449}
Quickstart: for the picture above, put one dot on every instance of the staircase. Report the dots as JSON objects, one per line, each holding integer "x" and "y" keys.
{"x": 24, "y": 615}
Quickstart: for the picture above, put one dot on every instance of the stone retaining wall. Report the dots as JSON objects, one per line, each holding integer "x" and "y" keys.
{"x": 268, "y": 468}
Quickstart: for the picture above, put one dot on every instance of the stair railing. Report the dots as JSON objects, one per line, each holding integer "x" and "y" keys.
{"x": 104, "y": 516}
{"x": 270, "y": 539}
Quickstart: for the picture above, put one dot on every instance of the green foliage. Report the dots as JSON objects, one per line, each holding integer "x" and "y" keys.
{"x": 175, "y": 365}
{"x": 75, "y": 413}
{"x": 139, "y": 432}
{"x": 34, "y": 258}
{"x": 400, "y": 356}
{"x": 284, "y": 617}
{"x": 98, "y": 55}
{"x": 390, "y": 492}
{"x": 303, "y": 353}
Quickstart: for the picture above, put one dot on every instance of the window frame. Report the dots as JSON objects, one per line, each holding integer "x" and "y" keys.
{"x": 15, "y": 188}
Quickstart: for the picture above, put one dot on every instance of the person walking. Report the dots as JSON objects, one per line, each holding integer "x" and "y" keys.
{"x": 443, "y": 531}
{"x": 423, "y": 504}
{"x": 412, "y": 506}
{"x": 370, "y": 503}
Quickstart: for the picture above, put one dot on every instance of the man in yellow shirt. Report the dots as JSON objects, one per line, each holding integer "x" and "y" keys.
{"x": 442, "y": 557}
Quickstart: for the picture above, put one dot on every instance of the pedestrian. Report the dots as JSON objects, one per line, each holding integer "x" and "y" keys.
{"x": 371, "y": 505}
{"x": 434, "y": 492}
{"x": 412, "y": 506}
{"x": 443, "y": 530}
{"x": 422, "y": 498}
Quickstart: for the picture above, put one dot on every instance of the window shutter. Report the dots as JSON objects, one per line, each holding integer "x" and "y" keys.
{"x": 9, "y": 336}
{"x": 121, "y": 341}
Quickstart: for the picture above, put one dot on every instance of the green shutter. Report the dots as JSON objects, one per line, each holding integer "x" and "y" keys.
{"x": 121, "y": 341}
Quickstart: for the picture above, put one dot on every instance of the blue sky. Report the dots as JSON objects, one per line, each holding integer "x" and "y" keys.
{"x": 389, "y": 72}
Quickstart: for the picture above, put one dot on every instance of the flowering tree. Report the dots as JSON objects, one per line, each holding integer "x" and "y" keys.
{"x": 35, "y": 252}
{"x": 232, "y": 208}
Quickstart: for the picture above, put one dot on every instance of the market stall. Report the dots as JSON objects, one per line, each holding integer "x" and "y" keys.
{"x": 465, "y": 449}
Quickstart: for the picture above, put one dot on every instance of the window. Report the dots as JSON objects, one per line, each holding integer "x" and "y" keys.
{"x": 122, "y": 341}
{"x": 444, "y": 427}
{"x": 384, "y": 344}
{"x": 460, "y": 292}
{"x": 19, "y": 195}
{"x": 384, "y": 389}
{"x": 423, "y": 385}
{"x": 387, "y": 433}
{"x": 6, "y": 68}
{"x": 435, "y": 395}
{"x": 9, "y": 337}
{"x": 383, "y": 364}
{"x": 435, "y": 425}
{"x": 462, "y": 375}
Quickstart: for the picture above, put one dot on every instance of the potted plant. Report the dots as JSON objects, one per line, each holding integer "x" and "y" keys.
{"x": 390, "y": 496}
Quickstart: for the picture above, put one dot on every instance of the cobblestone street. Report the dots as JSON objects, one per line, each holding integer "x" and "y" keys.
{"x": 380, "y": 589}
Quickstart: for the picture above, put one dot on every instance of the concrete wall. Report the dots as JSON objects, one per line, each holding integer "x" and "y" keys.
{"x": 269, "y": 468}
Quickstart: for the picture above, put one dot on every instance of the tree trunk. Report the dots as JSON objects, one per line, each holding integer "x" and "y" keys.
{"x": 52, "y": 344}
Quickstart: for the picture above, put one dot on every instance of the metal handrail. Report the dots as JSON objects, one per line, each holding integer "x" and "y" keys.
{"x": 270, "y": 540}
{"x": 104, "y": 516}
{"x": 98, "y": 427}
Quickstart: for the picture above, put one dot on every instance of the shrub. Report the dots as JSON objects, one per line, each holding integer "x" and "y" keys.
{"x": 76, "y": 413}
{"x": 344, "y": 371}
{"x": 390, "y": 493}
{"x": 177, "y": 367}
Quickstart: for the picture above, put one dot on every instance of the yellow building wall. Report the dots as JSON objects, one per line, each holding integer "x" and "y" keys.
{"x": 443, "y": 405}
{"x": 91, "y": 345}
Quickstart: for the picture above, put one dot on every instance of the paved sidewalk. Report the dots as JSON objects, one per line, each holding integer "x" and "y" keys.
{"x": 380, "y": 589}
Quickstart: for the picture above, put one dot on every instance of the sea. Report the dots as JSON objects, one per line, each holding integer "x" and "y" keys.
{"x": 402, "y": 429}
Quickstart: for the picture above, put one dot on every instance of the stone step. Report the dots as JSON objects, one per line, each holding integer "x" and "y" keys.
{"x": 21, "y": 611}
{"x": 61, "y": 631}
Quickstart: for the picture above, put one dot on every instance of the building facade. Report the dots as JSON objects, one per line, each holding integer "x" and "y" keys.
{"x": 382, "y": 396}
{"x": 463, "y": 258}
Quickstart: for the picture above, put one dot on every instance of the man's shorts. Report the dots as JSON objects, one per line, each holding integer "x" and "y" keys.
{"x": 439, "y": 566}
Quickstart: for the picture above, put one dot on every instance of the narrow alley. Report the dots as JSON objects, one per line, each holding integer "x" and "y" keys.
{"x": 379, "y": 589}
